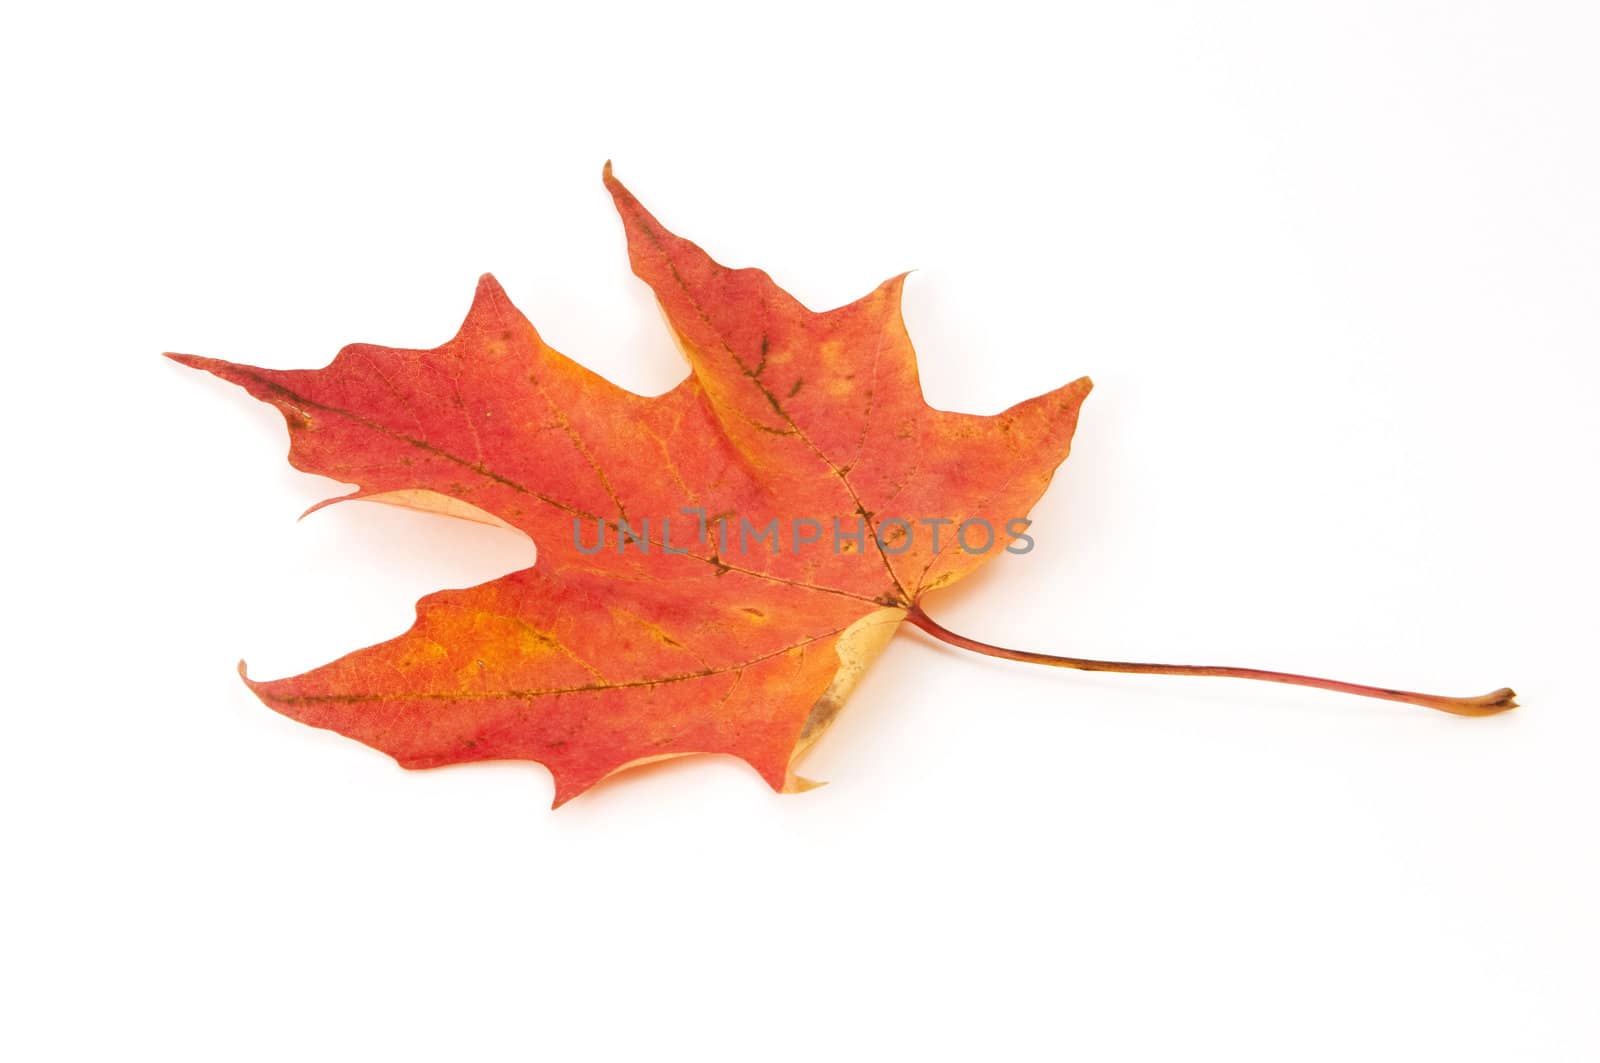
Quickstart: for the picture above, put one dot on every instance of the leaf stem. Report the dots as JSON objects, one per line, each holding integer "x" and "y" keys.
{"x": 1483, "y": 705}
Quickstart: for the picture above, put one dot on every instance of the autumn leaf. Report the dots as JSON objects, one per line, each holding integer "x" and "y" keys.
{"x": 717, "y": 565}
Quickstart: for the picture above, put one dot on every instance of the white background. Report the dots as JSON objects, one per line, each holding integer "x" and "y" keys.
{"x": 1334, "y": 271}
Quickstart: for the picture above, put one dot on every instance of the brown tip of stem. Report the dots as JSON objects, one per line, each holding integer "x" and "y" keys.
{"x": 1483, "y": 705}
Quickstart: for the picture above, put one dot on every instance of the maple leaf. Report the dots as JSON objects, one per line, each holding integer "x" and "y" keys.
{"x": 705, "y": 625}
{"x": 590, "y": 662}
